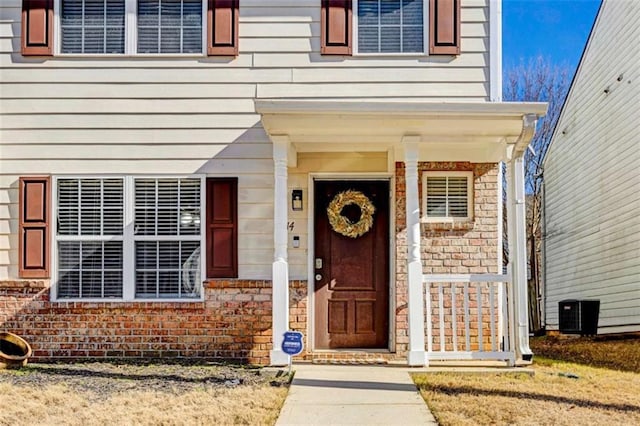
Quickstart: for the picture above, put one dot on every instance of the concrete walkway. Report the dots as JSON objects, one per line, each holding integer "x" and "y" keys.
{"x": 353, "y": 395}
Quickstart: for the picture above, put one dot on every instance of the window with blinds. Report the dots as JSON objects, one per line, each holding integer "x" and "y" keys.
{"x": 167, "y": 237}
{"x": 447, "y": 195}
{"x": 169, "y": 26}
{"x": 90, "y": 238}
{"x": 107, "y": 248}
{"x": 161, "y": 26}
{"x": 92, "y": 26}
{"x": 390, "y": 26}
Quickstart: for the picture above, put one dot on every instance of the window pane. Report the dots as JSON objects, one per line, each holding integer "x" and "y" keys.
{"x": 412, "y": 39}
{"x": 390, "y": 37}
{"x": 169, "y": 26}
{"x": 390, "y": 12}
{"x": 90, "y": 207}
{"x": 94, "y": 208}
{"x": 189, "y": 207}
{"x": 94, "y": 13}
{"x": 92, "y": 26}
{"x": 148, "y": 12}
{"x": 71, "y": 12}
{"x": 115, "y": 40}
{"x": 167, "y": 207}
{"x": 190, "y": 278}
{"x": 69, "y": 284}
{"x": 167, "y": 269}
{"x": 412, "y": 12}
{"x": 368, "y": 12}
{"x": 169, "y": 255}
{"x": 437, "y": 196}
{"x": 170, "y": 12}
{"x": 69, "y": 255}
{"x": 90, "y": 269}
{"x": 447, "y": 196}
{"x": 169, "y": 40}
{"x": 146, "y": 284}
{"x": 368, "y": 39}
{"x": 390, "y": 26}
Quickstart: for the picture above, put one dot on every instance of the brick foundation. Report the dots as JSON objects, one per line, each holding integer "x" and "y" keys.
{"x": 233, "y": 323}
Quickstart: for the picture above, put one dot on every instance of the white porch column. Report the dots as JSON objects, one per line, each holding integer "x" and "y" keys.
{"x": 516, "y": 224}
{"x": 280, "y": 277}
{"x": 417, "y": 355}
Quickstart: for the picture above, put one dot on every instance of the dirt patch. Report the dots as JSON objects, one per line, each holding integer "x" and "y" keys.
{"x": 171, "y": 394}
{"x": 558, "y": 394}
{"x": 620, "y": 353}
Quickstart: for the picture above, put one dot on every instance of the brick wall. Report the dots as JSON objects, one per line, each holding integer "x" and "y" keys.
{"x": 446, "y": 248}
{"x": 232, "y": 323}
{"x": 234, "y": 320}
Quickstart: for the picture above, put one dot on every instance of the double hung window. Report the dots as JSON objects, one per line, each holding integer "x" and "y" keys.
{"x": 390, "y": 26}
{"x": 156, "y": 26}
{"x": 447, "y": 196}
{"x": 128, "y": 238}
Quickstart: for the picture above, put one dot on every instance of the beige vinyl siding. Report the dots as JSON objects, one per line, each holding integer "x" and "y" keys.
{"x": 593, "y": 180}
{"x": 185, "y": 115}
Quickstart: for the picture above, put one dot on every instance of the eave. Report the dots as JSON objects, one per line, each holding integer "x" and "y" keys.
{"x": 472, "y": 131}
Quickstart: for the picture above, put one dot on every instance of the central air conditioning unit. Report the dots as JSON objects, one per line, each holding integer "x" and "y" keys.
{"x": 579, "y": 316}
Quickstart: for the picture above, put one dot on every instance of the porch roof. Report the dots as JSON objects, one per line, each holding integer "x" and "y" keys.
{"x": 471, "y": 131}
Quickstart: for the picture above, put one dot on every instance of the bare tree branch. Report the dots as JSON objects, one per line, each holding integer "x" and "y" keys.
{"x": 536, "y": 81}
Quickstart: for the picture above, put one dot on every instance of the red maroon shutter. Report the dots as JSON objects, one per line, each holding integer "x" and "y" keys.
{"x": 336, "y": 24}
{"x": 444, "y": 27}
{"x": 222, "y": 27}
{"x": 33, "y": 231}
{"x": 222, "y": 227}
{"x": 37, "y": 27}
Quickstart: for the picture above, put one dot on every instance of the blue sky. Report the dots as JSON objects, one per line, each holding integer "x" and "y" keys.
{"x": 554, "y": 29}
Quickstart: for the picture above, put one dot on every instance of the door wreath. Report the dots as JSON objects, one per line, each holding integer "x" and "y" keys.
{"x": 341, "y": 224}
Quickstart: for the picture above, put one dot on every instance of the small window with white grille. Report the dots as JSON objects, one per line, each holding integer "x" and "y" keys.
{"x": 447, "y": 196}
{"x": 149, "y": 248}
{"x": 390, "y": 26}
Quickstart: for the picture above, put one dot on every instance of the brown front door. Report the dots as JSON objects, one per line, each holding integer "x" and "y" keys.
{"x": 351, "y": 273}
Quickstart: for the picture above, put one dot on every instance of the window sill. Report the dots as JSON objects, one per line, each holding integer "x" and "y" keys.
{"x": 115, "y": 301}
{"x": 130, "y": 56}
{"x": 391, "y": 55}
{"x": 448, "y": 225}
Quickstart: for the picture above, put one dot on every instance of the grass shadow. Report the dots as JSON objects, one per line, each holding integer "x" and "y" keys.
{"x": 452, "y": 390}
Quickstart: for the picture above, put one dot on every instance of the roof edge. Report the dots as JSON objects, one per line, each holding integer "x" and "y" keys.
{"x": 297, "y": 106}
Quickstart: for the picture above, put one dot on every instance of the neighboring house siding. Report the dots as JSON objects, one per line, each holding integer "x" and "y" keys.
{"x": 592, "y": 179}
{"x": 152, "y": 115}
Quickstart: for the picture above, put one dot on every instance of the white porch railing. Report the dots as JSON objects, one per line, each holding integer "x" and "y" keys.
{"x": 467, "y": 317}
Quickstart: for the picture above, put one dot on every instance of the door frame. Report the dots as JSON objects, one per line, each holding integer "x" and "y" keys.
{"x": 375, "y": 176}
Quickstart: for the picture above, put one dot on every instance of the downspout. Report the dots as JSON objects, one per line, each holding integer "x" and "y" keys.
{"x": 516, "y": 211}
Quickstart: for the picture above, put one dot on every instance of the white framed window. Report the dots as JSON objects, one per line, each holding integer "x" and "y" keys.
{"x": 130, "y": 27}
{"x": 390, "y": 27}
{"x": 128, "y": 238}
{"x": 447, "y": 196}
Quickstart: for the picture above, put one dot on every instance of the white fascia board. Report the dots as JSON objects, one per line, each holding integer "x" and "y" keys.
{"x": 498, "y": 109}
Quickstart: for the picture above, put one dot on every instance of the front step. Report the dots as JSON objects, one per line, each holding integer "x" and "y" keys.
{"x": 352, "y": 357}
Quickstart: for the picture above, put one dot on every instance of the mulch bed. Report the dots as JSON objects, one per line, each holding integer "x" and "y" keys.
{"x": 98, "y": 380}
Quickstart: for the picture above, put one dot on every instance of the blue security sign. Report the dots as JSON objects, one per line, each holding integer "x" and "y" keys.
{"x": 292, "y": 343}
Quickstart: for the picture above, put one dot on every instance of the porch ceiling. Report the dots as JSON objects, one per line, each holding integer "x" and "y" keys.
{"x": 480, "y": 131}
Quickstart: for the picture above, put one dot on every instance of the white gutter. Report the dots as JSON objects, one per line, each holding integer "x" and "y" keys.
{"x": 513, "y": 109}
